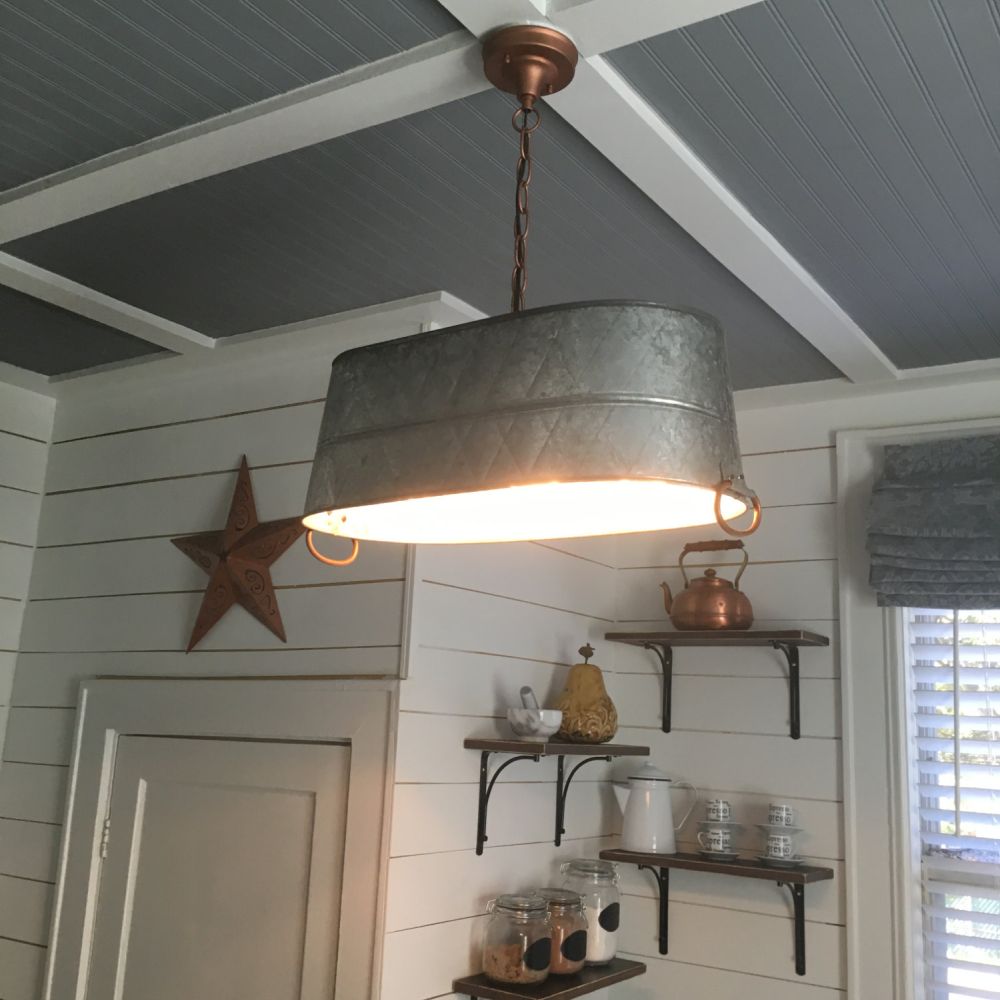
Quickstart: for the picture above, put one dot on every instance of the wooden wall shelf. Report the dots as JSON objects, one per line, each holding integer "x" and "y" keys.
{"x": 589, "y": 980}
{"x": 796, "y": 879}
{"x": 787, "y": 642}
{"x": 536, "y": 750}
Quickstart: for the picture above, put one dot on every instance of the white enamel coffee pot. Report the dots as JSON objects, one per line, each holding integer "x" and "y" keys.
{"x": 645, "y": 801}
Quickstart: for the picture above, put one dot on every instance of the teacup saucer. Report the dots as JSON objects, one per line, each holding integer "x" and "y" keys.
{"x": 718, "y": 855}
{"x": 780, "y": 862}
{"x": 778, "y": 828}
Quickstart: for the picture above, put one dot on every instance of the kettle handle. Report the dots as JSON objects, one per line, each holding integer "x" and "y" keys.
{"x": 714, "y": 546}
{"x": 694, "y": 801}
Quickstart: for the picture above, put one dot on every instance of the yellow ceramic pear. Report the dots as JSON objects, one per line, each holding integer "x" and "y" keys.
{"x": 589, "y": 715}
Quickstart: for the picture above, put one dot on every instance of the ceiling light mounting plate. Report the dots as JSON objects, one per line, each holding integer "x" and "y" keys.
{"x": 529, "y": 60}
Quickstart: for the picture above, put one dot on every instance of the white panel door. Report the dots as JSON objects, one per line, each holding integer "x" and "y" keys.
{"x": 223, "y": 871}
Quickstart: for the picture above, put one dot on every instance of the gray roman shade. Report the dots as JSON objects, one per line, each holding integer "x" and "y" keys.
{"x": 934, "y": 525}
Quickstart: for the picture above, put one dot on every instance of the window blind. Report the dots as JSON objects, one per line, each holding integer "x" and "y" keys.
{"x": 954, "y": 663}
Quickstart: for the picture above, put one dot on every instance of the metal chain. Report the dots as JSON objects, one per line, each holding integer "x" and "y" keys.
{"x": 519, "y": 278}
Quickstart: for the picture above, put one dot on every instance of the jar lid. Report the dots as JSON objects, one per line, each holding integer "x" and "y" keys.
{"x": 533, "y": 903}
{"x": 591, "y": 866}
{"x": 561, "y": 898}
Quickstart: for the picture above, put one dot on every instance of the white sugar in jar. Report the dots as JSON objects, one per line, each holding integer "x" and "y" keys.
{"x": 597, "y": 884}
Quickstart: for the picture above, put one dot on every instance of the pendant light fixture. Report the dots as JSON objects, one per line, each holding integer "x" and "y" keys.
{"x": 592, "y": 418}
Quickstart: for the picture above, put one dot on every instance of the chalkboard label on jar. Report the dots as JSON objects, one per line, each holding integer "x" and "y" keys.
{"x": 538, "y": 956}
{"x": 609, "y": 917}
{"x": 574, "y": 948}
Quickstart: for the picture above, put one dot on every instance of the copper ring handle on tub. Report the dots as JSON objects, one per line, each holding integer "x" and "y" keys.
{"x": 326, "y": 559}
{"x": 745, "y": 494}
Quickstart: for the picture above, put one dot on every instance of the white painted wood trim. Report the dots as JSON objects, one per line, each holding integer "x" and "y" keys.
{"x": 880, "y": 918}
{"x": 602, "y": 106}
{"x": 434, "y": 73}
{"x": 59, "y": 291}
{"x": 365, "y": 712}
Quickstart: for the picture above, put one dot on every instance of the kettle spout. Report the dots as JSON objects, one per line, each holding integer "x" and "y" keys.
{"x": 668, "y": 598}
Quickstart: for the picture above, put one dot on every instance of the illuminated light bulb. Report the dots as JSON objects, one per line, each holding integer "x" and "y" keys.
{"x": 519, "y": 513}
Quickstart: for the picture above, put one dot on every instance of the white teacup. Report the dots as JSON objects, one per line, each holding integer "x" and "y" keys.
{"x": 778, "y": 814}
{"x": 781, "y": 845}
{"x": 718, "y": 840}
{"x": 718, "y": 811}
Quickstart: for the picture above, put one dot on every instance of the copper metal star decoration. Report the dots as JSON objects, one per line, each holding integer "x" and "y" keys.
{"x": 238, "y": 559}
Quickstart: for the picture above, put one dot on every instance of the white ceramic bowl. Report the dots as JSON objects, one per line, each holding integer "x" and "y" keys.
{"x": 534, "y": 723}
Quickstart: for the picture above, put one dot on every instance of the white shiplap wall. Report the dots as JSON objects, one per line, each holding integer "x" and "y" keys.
{"x": 25, "y": 428}
{"x": 127, "y": 470}
{"x": 130, "y": 468}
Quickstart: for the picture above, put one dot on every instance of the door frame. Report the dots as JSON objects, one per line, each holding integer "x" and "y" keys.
{"x": 362, "y": 713}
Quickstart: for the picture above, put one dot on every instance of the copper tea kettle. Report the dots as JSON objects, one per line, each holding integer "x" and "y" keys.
{"x": 709, "y": 602}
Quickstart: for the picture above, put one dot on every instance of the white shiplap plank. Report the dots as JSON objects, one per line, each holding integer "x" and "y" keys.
{"x": 15, "y": 569}
{"x": 29, "y": 850}
{"x": 40, "y": 735}
{"x": 355, "y": 615}
{"x": 466, "y": 882}
{"x": 27, "y": 413}
{"x": 268, "y": 436}
{"x": 465, "y": 620}
{"x": 7, "y": 662}
{"x": 33, "y": 792}
{"x": 454, "y": 683}
{"x": 792, "y": 590}
{"x": 772, "y": 765}
{"x": 22, "y": 462}
{"x": 525, "y": 572}
{"x": 727, "y": 704}
{"x": 431, "y": 818}
{"x": 422, "y": 963}
{"x": 171, "y": 507}
{"x": 666, "y": 977}
{"x": 24, "y": 909}
{"x": 786, "y": 533}
{"x": 53, "y": 679}
{"x": 783, "y": 478}
{"x": 11, "y": 613}
{"x": 19, "y": 516}
{"x": 153, "y": 565}
{"x": 714, "y": 936}
{"x": 23, "y": 966}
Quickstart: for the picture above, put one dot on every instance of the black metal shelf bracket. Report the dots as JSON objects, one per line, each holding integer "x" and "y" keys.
{"x": 486, "y": 784}
{"x": 794, "y": 702}
{"x": 662, "y": 876}
{"x": 665, "y": 654}
{"x": 562, "y": 789}
{"x": 798, "y": 892}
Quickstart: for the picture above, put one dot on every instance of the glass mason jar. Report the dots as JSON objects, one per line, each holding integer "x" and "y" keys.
{"x": 569, "y": 930}
{"x": 518, "y": 945}
{"x": 597, "y": 884}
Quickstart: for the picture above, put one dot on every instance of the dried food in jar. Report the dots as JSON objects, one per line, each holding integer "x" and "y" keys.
{"x": 518, "y": 945}
{"x": 569, "y": 930}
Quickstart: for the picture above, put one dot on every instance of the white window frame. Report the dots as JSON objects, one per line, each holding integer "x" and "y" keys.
{"x": 361, "y": 712}
{"x": 882, "y": 859}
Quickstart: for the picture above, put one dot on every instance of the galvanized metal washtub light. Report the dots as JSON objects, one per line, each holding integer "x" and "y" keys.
{"x": 591, "y": 418}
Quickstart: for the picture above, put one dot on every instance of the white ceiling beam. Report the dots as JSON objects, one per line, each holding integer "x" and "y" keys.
{"x": 439, "y": 71}
{"x": 602, "y": 25}
{"x": 619, "y": 123}
{"x": 604, "y": 108}
{"x": 24, "y": 379}
{"x": 59, "y": 291}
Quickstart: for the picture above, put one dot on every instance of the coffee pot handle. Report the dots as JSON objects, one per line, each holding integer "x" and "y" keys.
{"x": 694, "y": 801}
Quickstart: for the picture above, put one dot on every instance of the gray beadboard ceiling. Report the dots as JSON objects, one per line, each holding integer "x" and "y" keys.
{"x": 81, "y": 78}
{"x": 865, "y": 134}
{"x": 407, "y": 207}
{"x": 43, "y": 338}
